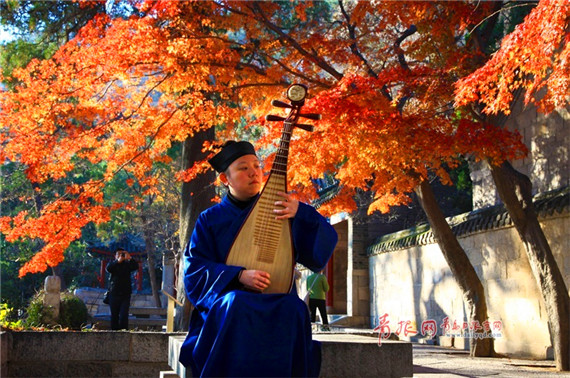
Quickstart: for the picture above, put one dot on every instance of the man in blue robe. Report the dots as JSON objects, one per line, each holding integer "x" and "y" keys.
{"x": 235, "y": 330}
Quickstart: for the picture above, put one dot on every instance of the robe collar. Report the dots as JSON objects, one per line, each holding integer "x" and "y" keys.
{"x": 239, "y": 203}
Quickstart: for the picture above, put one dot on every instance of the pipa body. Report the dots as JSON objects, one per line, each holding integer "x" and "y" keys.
{"x": 265, "y": 243}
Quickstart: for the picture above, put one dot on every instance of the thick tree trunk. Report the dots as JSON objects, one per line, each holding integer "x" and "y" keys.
{"x": 196, "y": 197}
{"x": 515, "y": 190}
{"x": 460, "y": 266}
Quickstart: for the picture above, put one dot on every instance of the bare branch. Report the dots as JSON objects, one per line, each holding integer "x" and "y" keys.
{"x": 293, "y": 43}
{"x": 353, "y": 46}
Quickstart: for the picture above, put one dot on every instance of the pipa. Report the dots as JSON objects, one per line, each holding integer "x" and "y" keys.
{"x": 263, "y": 242}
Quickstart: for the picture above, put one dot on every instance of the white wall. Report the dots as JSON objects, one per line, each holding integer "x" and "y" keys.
{"x": 416, "y": 284}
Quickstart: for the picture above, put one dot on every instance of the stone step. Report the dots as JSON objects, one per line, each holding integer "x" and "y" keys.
{"x": 143, "y": 324}
{"x": 343, "y": 355}
{"x": 147, "y": 311}
{"x": 168, "y": 374}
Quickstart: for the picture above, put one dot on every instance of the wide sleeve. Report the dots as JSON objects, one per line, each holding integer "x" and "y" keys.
{"x": 205, "y": 277}
{"x": 313, "y": 237}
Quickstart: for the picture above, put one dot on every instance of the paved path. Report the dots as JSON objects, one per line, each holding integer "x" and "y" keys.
{"x": 434, "y": 361}
{"x": 431, "y": 361}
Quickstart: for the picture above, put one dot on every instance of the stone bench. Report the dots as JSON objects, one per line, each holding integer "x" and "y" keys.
{"x": 143, "y": 318}
{"x": 343, "y": 355}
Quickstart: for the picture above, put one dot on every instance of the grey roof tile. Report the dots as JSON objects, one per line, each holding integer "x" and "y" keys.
{"x": 547, "y": 204}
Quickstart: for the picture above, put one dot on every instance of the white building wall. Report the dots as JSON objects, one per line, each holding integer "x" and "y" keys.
{"x": 416, "y": 284}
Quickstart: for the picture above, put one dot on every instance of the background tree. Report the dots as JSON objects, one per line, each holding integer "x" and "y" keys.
{"x": 533, "y": 60}
{"x": 41, "y": 28}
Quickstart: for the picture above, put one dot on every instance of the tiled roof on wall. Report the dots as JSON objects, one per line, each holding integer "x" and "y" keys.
{"x": 326, "y": 195}
{"x": 547, "y": 204}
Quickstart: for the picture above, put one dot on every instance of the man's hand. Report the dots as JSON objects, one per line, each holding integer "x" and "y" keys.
{"x": 289, "y": 206}
{"x": 257, "y": 280}
{"x": 123, "y": 256}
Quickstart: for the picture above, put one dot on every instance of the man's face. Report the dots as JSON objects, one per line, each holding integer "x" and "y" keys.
{"x": 243, "y": 177}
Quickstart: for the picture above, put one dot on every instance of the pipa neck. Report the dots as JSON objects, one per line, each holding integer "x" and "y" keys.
{"x": 280, "y": 163}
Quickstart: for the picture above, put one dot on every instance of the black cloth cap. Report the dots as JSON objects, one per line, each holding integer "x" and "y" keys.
{"x": 231, "y": 151}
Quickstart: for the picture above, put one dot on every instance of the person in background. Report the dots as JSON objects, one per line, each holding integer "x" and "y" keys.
{"x": 120, "y": 288}
{"x": 317, "y": 285}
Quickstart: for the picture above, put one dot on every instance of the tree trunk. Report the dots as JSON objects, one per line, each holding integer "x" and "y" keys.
{"x": 196, "y": 197}
{"x": 460, "y": 266}
{"x": 515, "y": 190}
{"x": 150, "y": 252}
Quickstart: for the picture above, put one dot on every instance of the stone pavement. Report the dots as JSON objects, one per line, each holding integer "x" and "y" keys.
{"x": 434, "y": 361}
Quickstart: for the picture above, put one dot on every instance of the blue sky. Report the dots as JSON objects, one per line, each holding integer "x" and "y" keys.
{"x": 5, "y": 35}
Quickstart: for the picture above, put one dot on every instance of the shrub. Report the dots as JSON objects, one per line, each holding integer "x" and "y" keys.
{"x": 8, "y": 319}
{"x": 73, "y": 312}
{"x": 37, "y": 313}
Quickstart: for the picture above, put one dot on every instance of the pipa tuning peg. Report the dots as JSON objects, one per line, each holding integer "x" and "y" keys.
{"x": 280, "y": 104}
{"x": 305, "y": 127}
{"x": 272, "y": 118}
{"x": 313, "y": 116}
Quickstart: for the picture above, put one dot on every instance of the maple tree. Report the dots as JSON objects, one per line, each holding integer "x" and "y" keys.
{"x": 124, "y": 90}
{"x": 532, "y": 60}
{"x": 387, "y": 119}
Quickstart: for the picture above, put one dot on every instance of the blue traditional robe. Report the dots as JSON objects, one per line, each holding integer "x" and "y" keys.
{"x": 238, "y": 333}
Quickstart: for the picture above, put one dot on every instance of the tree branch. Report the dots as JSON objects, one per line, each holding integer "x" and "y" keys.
{"x": 287, "y": 38}
{"x": 402, "y": 60}
{"x": 353, "y": 46}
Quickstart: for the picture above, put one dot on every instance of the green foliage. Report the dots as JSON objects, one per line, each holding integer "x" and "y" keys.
{"x": 77, "y": 270}
{"x": 461, "y": 178}
{"x": 8, "y": 317}
{"x": 19, "y": 53}
{"x": 48, "y": 21}
{"x": 16, "y": 292}
{"x": 510, "y": 15}
{"x": 73, "y": 312}
{"x": 461, "y": 199}
{"x": 37, "y": 314}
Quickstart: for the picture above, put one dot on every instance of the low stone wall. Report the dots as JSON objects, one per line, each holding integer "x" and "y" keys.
{"x": 343, "y": 355}
{"x": 84, "y": 354}
{"x": 147, "y": 354}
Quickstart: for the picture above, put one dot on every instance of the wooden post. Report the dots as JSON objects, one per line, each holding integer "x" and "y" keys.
{"x": 170, "y": 311}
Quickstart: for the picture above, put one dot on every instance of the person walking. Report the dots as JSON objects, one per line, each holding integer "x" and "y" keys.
{"x": 317, "y": 285}
{"x": 120, "y": 288}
